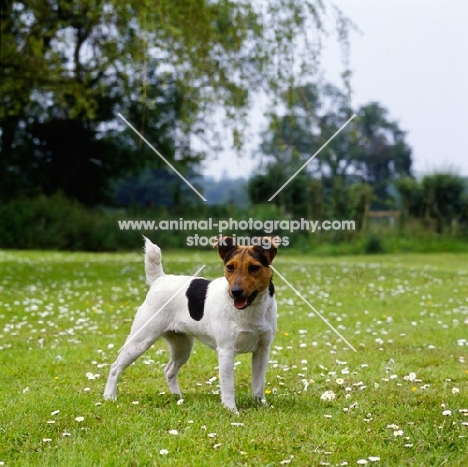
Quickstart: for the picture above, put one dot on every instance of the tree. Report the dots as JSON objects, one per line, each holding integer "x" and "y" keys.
{"x": 141, "y": 189}
{"x": 443, "y": 198}
{"x": 74, "y": 65}
{"x": 439, "y": 196}
{"x": 371, "y": 149}
{"x": 411, "y": 199}
{"x": 381, "y": 153}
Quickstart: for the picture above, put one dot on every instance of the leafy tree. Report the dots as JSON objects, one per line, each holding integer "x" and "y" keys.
{"x": 73, "y": 65}
{"x": 382, "y": 153}
{"x": 141, "y": 189}
{"x": 439, "y": 196}
{"x": 443, "y": 198}
{"x": 411, "y": 199}
{"x": 371, "y": 149}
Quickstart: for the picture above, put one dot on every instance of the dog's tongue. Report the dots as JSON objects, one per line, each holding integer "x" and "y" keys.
{"x": 240, "y": 303}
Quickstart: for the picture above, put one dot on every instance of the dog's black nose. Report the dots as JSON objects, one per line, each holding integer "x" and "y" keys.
{"x": 237, "y": 292}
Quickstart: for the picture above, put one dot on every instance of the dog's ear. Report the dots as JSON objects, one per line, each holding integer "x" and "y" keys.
{"x": 225, "y": 245}
{"x": 270, "y": 247}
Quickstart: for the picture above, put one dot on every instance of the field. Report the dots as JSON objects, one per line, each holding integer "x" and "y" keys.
{"x": 400, "y": 400}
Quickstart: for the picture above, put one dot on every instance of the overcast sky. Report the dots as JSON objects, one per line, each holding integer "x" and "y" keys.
{"x": 412, "y": 57}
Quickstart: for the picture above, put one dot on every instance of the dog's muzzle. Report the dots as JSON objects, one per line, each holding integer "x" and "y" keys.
{"x": 241, "y": 302}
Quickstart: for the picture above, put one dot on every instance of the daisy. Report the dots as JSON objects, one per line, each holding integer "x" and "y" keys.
{"x": 328, "y": 396}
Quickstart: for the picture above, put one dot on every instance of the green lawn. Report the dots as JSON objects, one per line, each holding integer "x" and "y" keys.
{"x": 401, "y": 400}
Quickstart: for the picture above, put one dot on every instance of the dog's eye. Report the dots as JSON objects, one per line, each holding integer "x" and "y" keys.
{"x": 230, "y": 268}
{"x": 253, "y": 269}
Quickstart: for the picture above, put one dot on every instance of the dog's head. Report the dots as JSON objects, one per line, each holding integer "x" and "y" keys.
{"x": 246, "y": 268}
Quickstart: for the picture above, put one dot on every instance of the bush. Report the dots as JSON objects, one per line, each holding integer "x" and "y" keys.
{"x": 58, "y": 223}
{"x": 373, "y": 245}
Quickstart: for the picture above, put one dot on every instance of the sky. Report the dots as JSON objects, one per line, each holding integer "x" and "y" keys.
{"x": 411, "y": 56}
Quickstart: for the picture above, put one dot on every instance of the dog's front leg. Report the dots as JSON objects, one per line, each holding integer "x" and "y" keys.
{"x": 226, "y": 373}
{"x": 259, "y": 368}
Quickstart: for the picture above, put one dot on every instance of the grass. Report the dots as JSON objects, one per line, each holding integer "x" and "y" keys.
{"x": 64, "y": 315}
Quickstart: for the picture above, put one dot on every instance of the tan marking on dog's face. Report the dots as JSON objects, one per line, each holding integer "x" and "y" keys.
{"x": 247, "y": 270}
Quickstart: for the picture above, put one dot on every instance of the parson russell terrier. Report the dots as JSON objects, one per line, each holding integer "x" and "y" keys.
{"x": 232, "y": 314}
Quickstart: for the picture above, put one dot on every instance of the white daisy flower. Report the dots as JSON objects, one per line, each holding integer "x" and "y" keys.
{"x": 328, "y": 396}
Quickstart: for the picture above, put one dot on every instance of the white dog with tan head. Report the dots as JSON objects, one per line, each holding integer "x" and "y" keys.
{"x": 232, "y": 314}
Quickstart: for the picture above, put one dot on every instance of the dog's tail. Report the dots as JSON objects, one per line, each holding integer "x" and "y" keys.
{"x": 153, "y": 265}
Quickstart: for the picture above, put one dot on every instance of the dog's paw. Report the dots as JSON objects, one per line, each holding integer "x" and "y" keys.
{"x": 110, "y": 396}
{"x": 232, "y": 408}
{"x": 261, "y": 401}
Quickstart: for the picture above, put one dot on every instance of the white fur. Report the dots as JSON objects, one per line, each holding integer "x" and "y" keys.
{"x": 153, "y": 265}
{"x": 224, "y": 328}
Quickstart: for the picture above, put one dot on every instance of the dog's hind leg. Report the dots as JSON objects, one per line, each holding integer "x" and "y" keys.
{"x": 131, "y": 350}
{"x": 180, "y": 348}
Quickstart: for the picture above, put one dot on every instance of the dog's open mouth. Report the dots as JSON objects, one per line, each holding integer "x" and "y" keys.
{"x": 241, "y": 303}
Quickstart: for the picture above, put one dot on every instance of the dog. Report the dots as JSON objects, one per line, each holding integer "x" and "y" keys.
{"x": 232, "y": 314}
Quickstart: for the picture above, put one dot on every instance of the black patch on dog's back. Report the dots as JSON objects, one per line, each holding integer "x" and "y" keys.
{"x": 196, "y": 294}
{"x": 271, "y": 289}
